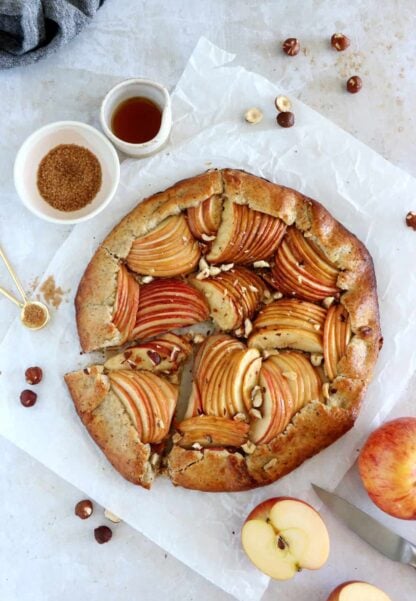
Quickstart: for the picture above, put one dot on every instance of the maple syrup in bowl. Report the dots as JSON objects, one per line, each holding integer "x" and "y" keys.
{"x": 136, "y": 120}
{"x": 136, "y": 116}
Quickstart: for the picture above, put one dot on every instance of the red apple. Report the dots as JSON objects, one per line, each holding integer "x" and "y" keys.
{"x": 168, "y": 250}
{"x": 282, "y": 536}
{"x": 387, "y": 466}
{"x": 357, "y": 591}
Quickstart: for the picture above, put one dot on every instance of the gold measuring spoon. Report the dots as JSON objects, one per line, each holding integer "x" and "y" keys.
{"x": 34, "y": 314}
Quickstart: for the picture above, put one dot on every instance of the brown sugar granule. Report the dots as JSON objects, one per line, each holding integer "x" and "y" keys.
{"x": 52, "y": 293}
{"x": 33, "y": 316}
{"x": 69, "y": 177}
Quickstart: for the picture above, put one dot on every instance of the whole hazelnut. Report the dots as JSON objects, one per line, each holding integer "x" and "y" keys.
{"x": 28, "y": 398}
{"x": 291, "y": 46}
{"x": 411, "y": 220}
{"x": 340, "y": 42}
{"x": 286, "y": 119}
{"x": 102, "y": 534}
{"x": 354, "y": 84}
{"x": 84, "y": 509}
{"x": 33, "y": 375}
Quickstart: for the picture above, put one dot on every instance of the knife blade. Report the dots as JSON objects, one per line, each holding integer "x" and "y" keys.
{"x": 382, "y": 539}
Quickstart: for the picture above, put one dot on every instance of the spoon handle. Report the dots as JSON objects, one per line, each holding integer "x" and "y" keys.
{"x": 10, "y": 297}
{"x": 14, "y": 276}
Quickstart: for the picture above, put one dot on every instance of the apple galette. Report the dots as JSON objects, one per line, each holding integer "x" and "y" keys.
{"x": 288, "y": 300}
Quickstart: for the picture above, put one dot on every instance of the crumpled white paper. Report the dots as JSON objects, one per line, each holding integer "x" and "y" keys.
{"x": 365, "y": 192}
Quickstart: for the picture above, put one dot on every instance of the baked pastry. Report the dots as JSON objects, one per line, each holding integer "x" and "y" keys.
{"x": 291, "y": 299}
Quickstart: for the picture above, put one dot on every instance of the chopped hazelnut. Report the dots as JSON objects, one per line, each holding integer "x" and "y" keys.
{"x": 260, "y": 264}
{"x": 283, "y": 104}
{"x": 111, "y": 516}
{"x": 328, "y": 301}
{"x": 207, "y": 238}
{"x": 253, "y": 115}
{"x": 316, "y": 359}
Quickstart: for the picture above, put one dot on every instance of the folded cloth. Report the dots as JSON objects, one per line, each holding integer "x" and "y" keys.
{"x": 31, "y": 29}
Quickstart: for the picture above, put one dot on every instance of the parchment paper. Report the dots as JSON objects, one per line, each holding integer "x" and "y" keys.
{"x": 361, "y": 189}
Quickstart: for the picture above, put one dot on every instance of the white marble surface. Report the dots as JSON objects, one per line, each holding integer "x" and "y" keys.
{"x": 46, "y": 553}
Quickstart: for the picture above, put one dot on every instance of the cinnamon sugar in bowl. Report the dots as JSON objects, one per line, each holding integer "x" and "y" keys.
{"x": 66, "y": 172}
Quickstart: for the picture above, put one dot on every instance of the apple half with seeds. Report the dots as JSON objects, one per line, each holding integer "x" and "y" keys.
{"x": 357, "y": 591}
{"x": 283, "y": 535}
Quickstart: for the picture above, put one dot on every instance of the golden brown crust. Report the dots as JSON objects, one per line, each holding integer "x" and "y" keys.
{"x": 109, "y": 425}
{"x": 316, "y": 425}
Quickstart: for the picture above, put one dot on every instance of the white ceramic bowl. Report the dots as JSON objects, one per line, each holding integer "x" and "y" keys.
{"x": 131, "y": 88}
{"x": 38, "y": 144}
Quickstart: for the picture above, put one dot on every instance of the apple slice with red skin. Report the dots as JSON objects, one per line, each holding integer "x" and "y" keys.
{"x": 166, "y": 251}
{"x": 387, "y": 466}
{"x": 282, "y": 536}
{"x": 166, "y": 304}
{"x": 163, "y": 354}
{"x": 301, "y": 269}
{"x": 356, "y": 590}
{"x": 232, "y": 296}
{"x": 205, "y": 218}
{"x": 289, "y": 323}
{"x": 126, "y": 303}
{"x": 245, "y": 236}
{"x": 149, "y": 400}
{"x": 337, "y": 334}
{"x": 212, "y": 431}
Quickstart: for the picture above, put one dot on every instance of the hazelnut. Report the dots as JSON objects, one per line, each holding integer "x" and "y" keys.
{"x": 365, "y": 331}
{"x": 340, "y": 42}
{"x": 286, "y": 119}
{"x": 291, "y": 46}
{"x": 111, "y": 516}
{"x": 354, "y": 84}
{"x": 28, "y": 398}
{"x": 411, "y": 219}
{"x": 33, "y": 375}
{"x": 253, "y": 115}
{"x": 102, "y": 534}
{"x": 154, "y": 357}
{"x": 83, "y": 509}
{"x": 283, "y": 104}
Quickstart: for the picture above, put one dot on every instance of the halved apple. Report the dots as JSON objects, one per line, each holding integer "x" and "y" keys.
{"x": 289, "y": 382}
{"x": 232, "y": 296}
{"x": 225, "y": 372}
{"x": 282, "y": 536}
{"x": 289, "y": 323}
{"x": 149, "y": 400}
{"x": 245, "y": 235}
{"x": 357, "y": 591}
{"x": 168, "y": 250}
{"x": 163, "y": 354}
{"x": 167, "y": 304}
{"x": 337, "y": 334}
{"x": 212, "y": 431}
{"x": 301, "y": 269}
{"x": 204, "y": 219}
{"x": 126, "y": 303}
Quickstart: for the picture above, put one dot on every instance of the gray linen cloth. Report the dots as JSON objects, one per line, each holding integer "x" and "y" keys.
{"x": 30, "y": 29}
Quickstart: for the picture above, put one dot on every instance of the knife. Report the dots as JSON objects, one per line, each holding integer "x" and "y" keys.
{"x": 382, "y": 539}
